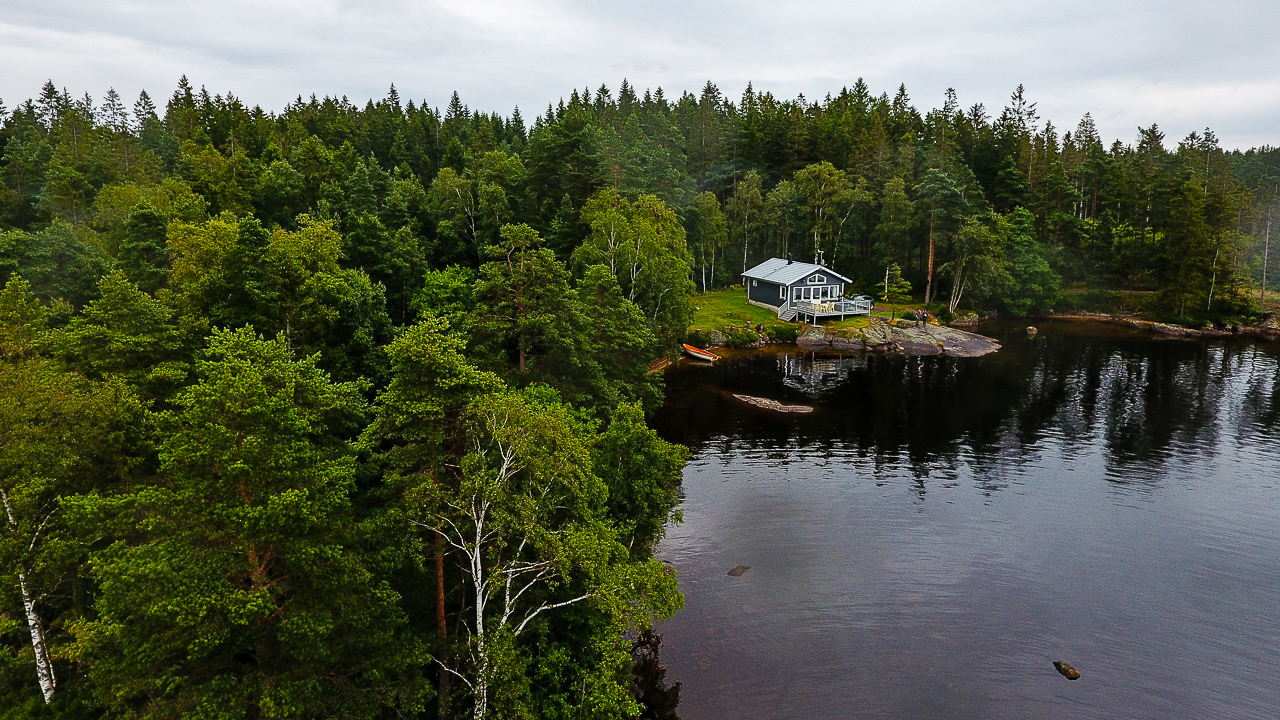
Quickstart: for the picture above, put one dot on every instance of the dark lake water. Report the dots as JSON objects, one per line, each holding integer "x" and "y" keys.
{"x": 939, "y": 531}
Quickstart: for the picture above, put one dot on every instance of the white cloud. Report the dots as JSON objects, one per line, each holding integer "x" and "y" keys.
{"x": 1183, "y": 64}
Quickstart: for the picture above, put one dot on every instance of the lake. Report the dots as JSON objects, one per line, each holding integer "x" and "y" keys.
{"x": 939, "y": 531}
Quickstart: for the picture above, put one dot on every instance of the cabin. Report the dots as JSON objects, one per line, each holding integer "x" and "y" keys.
{"x": 798, "y": 289}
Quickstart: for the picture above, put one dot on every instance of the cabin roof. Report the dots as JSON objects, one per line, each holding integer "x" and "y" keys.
{"x": 778, "y": 270}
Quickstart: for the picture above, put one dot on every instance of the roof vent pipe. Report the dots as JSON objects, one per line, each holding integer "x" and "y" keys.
{"x": 788, "y": 258}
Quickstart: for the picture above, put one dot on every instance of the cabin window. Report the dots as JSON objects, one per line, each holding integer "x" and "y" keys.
{"x": 825, "y": 292}
{"x": 782, "y": 292}
{"x": 753, "y": 283}
{"x": 817, "y": 280}
{"x": 798, "y": 293}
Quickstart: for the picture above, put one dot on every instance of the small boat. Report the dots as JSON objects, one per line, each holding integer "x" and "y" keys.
{"x": 699, "y": 354}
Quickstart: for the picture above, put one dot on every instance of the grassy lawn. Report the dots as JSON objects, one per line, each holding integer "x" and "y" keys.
{"x": 718, "y": 308}
{"x": 853, "y": 323}
{"x": 713, "y": 310}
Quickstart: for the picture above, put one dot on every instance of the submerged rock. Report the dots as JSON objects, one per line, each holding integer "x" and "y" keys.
{"x": 738, "y": 571}
{"x": 1032, "y": 331}
{"x": 774, "y": 405}
{"x": 1066, "y": 670}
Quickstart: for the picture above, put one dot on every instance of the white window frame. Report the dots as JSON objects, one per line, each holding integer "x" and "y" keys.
{"x": 753, "y": 283}
{"x": 782, "y": 292}
{"x": 817, "y": 280}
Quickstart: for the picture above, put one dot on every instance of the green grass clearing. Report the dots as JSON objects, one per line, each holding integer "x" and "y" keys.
{"x": 717, "y": 308}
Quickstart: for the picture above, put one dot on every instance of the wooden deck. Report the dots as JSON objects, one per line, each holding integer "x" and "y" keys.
{"x": 836, "y": 308}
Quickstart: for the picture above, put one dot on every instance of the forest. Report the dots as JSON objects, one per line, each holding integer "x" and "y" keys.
{"x": 341, "y": 411}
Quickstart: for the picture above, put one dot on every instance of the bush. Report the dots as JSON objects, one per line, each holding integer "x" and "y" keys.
{"x": 784, "y": 333}
{"x": 698, "y": 338}
{"x": 739, "y": 337}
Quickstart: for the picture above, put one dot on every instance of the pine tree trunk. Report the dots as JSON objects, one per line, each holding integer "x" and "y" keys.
{"x": 928, "y": 285}
{"x": 1266, "y": 251}
{"x": 443, "y": 628}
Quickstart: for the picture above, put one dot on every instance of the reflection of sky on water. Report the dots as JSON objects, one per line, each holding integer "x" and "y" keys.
{"x": 939, "y": 531}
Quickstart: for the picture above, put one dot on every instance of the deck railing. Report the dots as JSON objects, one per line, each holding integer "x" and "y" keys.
{"x": 844, "y": 306}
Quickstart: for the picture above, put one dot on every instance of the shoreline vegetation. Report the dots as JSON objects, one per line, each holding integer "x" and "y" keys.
{"x": 724, "y": 319}
{"x": 344, "y": 409}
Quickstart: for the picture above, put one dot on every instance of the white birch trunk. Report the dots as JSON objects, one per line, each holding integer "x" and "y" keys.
{"x": 44, "y": 663}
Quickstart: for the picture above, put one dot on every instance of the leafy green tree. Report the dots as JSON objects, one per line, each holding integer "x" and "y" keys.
{"x": 447, "y": 294}
{"x": 415, "y": 428}
{"x": 620, "y": 342}
{"x": 233, "y": 592}
{"x": 523, "y": 301}
{"x": 897, "y": 218}
{"x": 708, "y": 233}
{"x": 643, "y": 473}
{"x": 59, "y": 435}
{"x": 280, "y": 194}
{"x": 144, "y": 252}
{"x": 896, "y": 288}
{"x": 287, "y": 282}
{"x": 470, "y": 207}
{"x": 127, "y": 334}
{"x": 527, "y": 519}
{"x": 978, "y": 265}
{"x": 1033, "y": 284}
{"x": 643, "y": 245}
{"x": 21, "y": 318}
{"x": 944, "y": 202}
{"x": 226, "y": 182}
{"x": 782, "y": 212}
{"x": 826, "y": 198}
{"x": 58, "y": 262}
{"x": 746, "y": 212}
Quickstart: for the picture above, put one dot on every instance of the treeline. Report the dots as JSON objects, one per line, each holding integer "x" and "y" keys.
{"x": 989, "y": 209}
{"x": 287, "y": 431}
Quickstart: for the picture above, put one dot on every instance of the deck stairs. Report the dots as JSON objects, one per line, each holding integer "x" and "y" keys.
{"x": 786, "y": 314}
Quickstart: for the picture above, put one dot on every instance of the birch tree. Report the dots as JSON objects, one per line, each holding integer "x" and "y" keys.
{"x": 643, "y": 244}
{"x": 978, "y": 262}
{"x": 59, "y": 435}
{"x": 527, "y": 518}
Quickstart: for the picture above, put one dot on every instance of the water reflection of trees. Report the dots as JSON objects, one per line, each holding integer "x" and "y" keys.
{"x": 1142, "y": 402}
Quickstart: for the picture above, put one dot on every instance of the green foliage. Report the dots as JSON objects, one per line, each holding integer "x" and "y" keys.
{"x": 642, "y": 472}
{"x": 237, "y": 592}
{"x": 58, "y": 262}
{"x": 143, "y": 253}
{"x": 359, "y": 237}
{"x": 643, "y": 245}
{"x": 896, "y": 289}
{"x": 60, "y": 435}
{"x": 128, "y": 335}
{"x": 446, "y": 294}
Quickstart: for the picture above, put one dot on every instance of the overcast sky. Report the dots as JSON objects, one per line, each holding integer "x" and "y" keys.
{"x": 1185, "y": 64}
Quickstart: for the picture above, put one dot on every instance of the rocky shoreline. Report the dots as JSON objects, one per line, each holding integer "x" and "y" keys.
{"x": 1268, "y": 328}
{"x": 899, "y": 336}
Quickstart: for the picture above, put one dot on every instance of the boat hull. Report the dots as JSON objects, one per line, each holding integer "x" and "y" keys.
{"x": 700, "y": 354}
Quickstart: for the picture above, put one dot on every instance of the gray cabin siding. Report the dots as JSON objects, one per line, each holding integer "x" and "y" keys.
{"x": 763, "y": 291}
{"x": 834, "y": 285}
